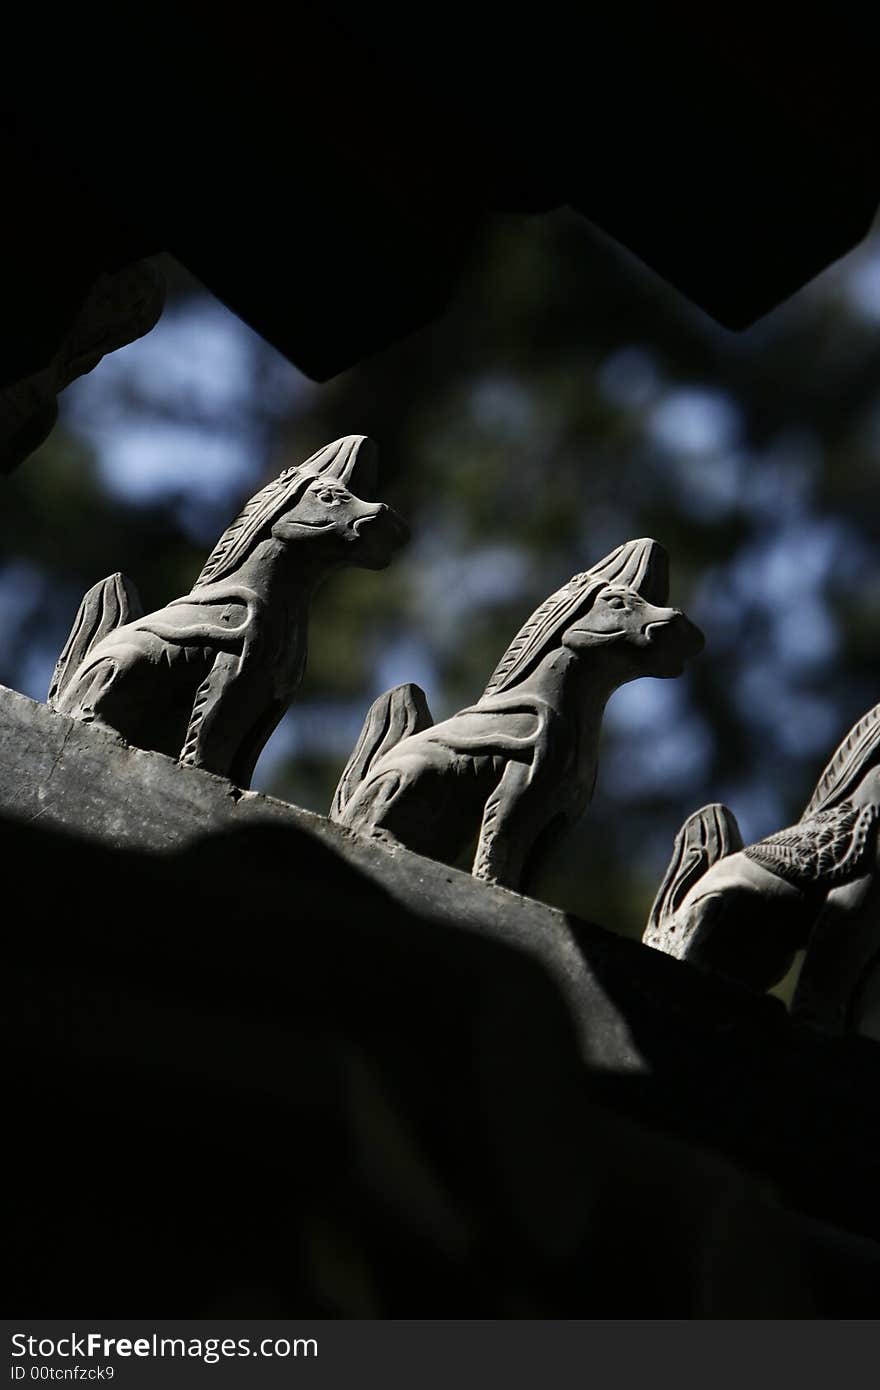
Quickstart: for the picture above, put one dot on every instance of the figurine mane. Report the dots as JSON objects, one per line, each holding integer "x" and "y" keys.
{"x": 240, "y": 537}
{"x": 541, "y": 633}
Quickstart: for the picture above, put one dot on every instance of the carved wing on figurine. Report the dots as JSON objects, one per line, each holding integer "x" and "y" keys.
{"x": 825, "y": 849}
{"x": 705, "y": 837}
{"x": 392, "y": 717}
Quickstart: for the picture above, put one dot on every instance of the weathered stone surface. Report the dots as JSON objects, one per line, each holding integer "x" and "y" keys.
{"x": 275, "y": 1069}
{"x": 207, "y": 678}
{"x": 84, "y": 780}
{"x": 522, "y": 761}
{"x": 654, "y": 1030}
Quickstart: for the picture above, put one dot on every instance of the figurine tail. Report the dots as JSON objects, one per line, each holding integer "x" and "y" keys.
{"x": 104, "y": 608}
{"x": 393, "y": 717}
{"x": 708, "y": 835}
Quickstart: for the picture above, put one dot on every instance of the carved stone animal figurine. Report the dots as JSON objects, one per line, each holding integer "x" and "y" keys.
{"x": 207, "y": 678}
{"x": 502, "y": 771}
{"x": 745, "y": 912}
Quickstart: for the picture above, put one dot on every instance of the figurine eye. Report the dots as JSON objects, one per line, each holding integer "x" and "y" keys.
{"x": 615, "y": 601}
{"x": 330, "y": 496}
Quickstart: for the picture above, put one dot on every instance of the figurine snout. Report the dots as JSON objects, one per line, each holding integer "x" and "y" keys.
{"x": 379, "y": 531}
{"x": 391, "y": 522}
{"x": 672, "y": 622}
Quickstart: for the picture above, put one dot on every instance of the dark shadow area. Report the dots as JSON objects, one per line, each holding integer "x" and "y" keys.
{"x": 333, "y": 202}
{"x": 246, "y": 1082}
{"x": 727, "y": 1069}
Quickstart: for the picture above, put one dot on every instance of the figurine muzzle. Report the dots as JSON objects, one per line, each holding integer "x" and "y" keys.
{"x": 677, "y": 639}
{"x": 379, "y": 532}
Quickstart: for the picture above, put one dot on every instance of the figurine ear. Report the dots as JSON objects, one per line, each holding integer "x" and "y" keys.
{"x": 642, "y": 565}
{"x": 352, "y": 460}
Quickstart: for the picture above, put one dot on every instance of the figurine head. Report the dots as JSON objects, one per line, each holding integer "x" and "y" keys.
{"x": 315, "y": 504}
{"x": 651, "y": 641}
{"x": 339, "y": 528}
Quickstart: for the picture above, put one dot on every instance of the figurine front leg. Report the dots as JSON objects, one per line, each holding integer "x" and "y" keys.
{"x": 513, "y": 816}
{"x": 233, "y": 698}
